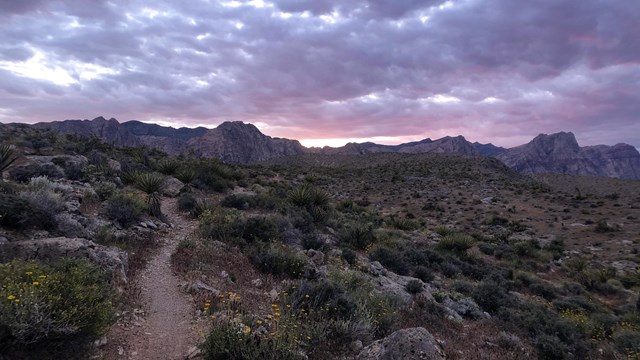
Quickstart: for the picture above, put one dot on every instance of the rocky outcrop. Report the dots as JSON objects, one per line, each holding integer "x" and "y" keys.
{"x": 108, "y": 131}
{"x": 112, "y": 260}
{"x": 560, "y": 153}
{"x": 237, "y": 142}
{"x": 407, "y": 344}
{"x": 448, "y": 144}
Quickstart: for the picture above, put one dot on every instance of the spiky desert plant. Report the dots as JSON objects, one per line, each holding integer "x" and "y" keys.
{"x": 151, "y": 184}
{"x": 312, "y": 199}
{"x": 167, "y": 166}
{"x": 7, "y": 157}
{"x": 186, "y": 175}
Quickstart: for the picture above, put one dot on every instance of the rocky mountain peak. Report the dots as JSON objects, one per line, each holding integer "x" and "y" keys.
{"x": 558, "y": 143}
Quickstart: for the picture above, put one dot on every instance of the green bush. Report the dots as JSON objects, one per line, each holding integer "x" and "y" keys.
{"x": 628, "y": 342}
{"x": 221, "y": 224}
{"x": 17, "y": 213}
{"x": 126, "y": 209}
{"x": 277, "y": 259}
{"x": 260, "y": 228}
{"x": 248, "y": 201}
{"x": 25, "y": 173}
{"x": 456, "y": 243}
{"x": 414, "y": 286}
{"x": 399, "y": 223}
{"x": 358, "y": 236}
{"x": 105, "y": 190}
{"x": 391, "y": 259}
{"x": 40, "y": 301}
{"x": 187, "y": 202}
{"x": 232, "y": 341}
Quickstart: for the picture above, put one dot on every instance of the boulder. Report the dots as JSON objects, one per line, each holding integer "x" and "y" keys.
{"x": 407, "y": 344}
{"x": 172, "y": 186}
{"x": 111, "y": 259}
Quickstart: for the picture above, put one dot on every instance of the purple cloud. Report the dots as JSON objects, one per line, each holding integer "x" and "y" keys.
{"x": 492, "y": 70}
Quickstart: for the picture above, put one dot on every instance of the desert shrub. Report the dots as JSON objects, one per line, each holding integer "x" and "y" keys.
{"x": 186, "y": 202}
{"x": 391, "y": 259}
{"x": 233, "y": 341}
{"x": 524, "y": 248}
{"x": 220, "y": 224}
{"x": 358, "y": 236}
{"x": 42, "y": 183}
{"x": 68, "y": 226}
{"x": 312, "y": 199}
{"x": 349, "y": 256}
{"x": 486, "y": 248}
{"x": 25, "y": 173}
{"x": 414, "y": 286}
{"x": 603, "y": 227}
{"x": 277, "y": 259}
{"x": 400, "y": 223}
{"x": 627, "y": 342}
{"x": 42, "y": 301}
{"x": 260, "y": 228}
{"x": 311, "y": 241}
{"x": 456, "y": 243}
{"x": 423, "y": 273}
{"x": 248, "y": 201}
{"x": 46, "y": 203}
{"x": 543, "y": 289}
{"x": 105, "y": 190}
{"x": 126, "y": 209}
{"x": 201, "y": 206}
{"x": 490, "y": 296}
{"x": 17, "y": 213}
{"x": 212, "y": 181}
{"x": 549, "y": 347}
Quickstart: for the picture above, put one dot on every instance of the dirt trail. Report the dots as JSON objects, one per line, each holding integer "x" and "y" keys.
{"x": 168, "y": 328}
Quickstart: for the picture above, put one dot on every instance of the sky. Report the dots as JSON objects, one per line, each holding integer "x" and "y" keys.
{"x": 331, "y": 71}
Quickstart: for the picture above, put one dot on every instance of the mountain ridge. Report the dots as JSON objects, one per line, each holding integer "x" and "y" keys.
{"x": 239, "y": 142}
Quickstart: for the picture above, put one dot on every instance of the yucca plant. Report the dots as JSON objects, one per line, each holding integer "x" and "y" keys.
{"x": 186, "y": 175}
{"x": 167, "y": 166}
{"x": 151, "y": 184}
{"x": 312, "y": 199}
{"x": 7, "y": 157}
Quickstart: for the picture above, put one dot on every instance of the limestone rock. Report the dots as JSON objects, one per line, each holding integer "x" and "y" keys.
{"x": 407, "y": 344}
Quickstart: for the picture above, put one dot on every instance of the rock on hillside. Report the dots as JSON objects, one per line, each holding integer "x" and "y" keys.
{"x": 238, "y": 142}
{"x": 408, "y": 344}
{"x": 110, "y": 131}
{"x": 560, "y": 153}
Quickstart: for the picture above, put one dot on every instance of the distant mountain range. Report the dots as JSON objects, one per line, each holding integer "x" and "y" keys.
{"x": 238, "y": 142}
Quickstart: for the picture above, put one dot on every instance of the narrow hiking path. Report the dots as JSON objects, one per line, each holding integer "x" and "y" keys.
{"x": 166, "y": 326}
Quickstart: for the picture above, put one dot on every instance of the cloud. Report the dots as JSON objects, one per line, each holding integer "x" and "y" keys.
{"x": 328, "y": 68}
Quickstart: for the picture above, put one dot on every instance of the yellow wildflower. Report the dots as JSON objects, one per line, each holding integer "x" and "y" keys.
{"x": 36, "y": 283}
{"x": 42, "y": 276}
{"x": 247, "y": 331}
{"x": 11, "y": 297}
{"x": 29, "y": 273}
{"x": 259, "y": 322}
{"x": 17, "y": 300}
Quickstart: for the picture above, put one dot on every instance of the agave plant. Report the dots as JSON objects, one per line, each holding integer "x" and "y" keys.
{"x": 152, "y": 184}
{"x": 7, "y": 157}
{"x": 312, "y": 199}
